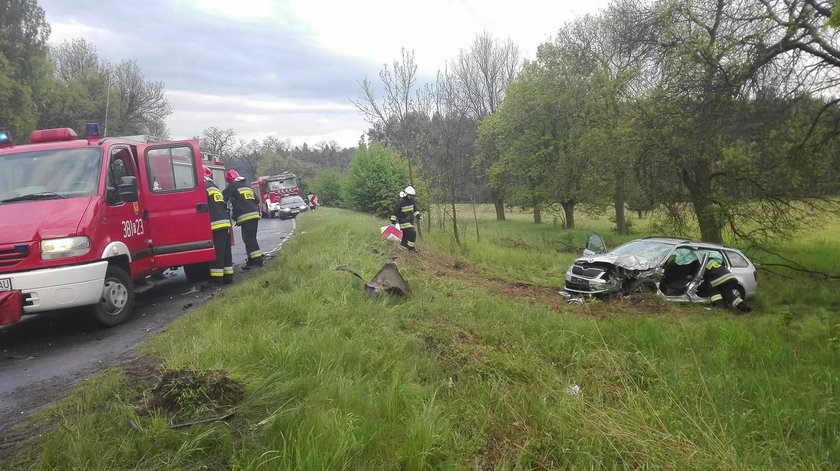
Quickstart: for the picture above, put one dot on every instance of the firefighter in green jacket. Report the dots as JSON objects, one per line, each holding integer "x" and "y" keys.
{"x": 221, "y": 269}
{"x": 246, "y": 213}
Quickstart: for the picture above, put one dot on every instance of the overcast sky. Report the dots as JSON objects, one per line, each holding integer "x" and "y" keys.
{"x": 288, "y": 68}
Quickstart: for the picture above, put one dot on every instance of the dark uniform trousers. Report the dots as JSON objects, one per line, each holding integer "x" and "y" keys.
{"x": 221, "y": 269}
{"x": 723, "y": 287}
{"x": 249, "y": 236}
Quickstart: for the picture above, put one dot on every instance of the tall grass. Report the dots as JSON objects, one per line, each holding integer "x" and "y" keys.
{"x": 462, "y": 376}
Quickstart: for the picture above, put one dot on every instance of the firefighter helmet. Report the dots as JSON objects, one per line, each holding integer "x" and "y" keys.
{"x": 231, "y": 175}
{"x": 409, "y": 190}
{"x": 207, "y": 172}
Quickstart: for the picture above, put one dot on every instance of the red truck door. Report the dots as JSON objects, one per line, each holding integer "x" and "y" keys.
{"x": 124, "y": 220}
{"x": 174, "y": 202}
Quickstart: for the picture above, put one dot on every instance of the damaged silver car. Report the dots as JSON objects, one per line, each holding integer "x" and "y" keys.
{"x": 670, "y": 267}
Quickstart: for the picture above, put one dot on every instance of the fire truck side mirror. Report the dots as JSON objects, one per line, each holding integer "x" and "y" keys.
{"x": 128, "y": 189}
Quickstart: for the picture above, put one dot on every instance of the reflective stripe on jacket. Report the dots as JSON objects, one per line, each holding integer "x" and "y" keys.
{"x": 219, "y": 217}
{"x": 404, "y": 212}
{"x": 243, "y": 199}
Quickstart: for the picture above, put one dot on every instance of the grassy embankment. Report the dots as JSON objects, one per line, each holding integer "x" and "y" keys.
{"x": 473, "y": 371}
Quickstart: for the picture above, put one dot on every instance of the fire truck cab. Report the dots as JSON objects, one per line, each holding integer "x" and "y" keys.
{"x": 86, "y": 222}
{"x": 272, "y": 189}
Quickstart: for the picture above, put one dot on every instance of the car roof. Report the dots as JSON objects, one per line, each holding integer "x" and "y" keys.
{"x": 677, "y": 241}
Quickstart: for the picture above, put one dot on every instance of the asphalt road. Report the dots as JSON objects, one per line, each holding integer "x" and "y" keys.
{"x": 42, "y": 357}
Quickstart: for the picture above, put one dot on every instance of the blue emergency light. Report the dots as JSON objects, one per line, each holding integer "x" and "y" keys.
{"x": 92, "y": 130}
{"x": 5, "y": 138}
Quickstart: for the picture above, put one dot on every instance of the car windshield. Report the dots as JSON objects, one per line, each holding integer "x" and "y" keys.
{"x": 647, "y": 249}
{"x": 292, "y": 201}
{"x": 48, "y": 174}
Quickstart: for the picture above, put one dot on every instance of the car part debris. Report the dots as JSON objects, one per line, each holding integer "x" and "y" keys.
{"x": 387, "y": 279}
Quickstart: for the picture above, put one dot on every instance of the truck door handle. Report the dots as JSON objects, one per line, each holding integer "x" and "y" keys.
{"x": 202, "y": 208}
{"x": 145, "y": 214}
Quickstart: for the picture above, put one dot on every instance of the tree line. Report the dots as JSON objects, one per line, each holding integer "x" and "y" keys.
{"x": 721, "y": 115}
{"x": 69, "y": 85}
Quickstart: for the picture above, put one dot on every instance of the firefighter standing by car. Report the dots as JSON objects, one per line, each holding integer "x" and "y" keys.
{"x": 723, "y": 287}
{"x": 221, "y": 270}
{"x": 246, "y": 213}
{"x": 405, "y": 213}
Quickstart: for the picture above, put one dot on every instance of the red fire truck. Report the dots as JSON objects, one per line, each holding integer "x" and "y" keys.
{"x": 86, "y": 222}
{"x": 272, "y": 189}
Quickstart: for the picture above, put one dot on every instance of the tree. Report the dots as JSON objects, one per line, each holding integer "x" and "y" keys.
{"x": 23, "y": 37}
{"x": 373, "y": 180}
{"x": 391, "y": 117}
{"x": 327, "y": 185}
{"x": 480, "y": 78}
{"x": 137, "y": 106}
{"x": 219, "y": 143}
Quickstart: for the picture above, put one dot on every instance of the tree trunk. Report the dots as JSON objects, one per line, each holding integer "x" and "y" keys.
{"x": 569, "y": 212}
{"x": 620, "y": 222}
{"x": 499, "y": 203}
{"x": 537, "y": 213}
{"x": 454, "y": 217}
{"x": 709, "y": 227}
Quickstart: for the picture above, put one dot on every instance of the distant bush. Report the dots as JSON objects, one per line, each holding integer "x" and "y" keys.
{"x": 327, "y": 185}
{"x": 374, "y": 179}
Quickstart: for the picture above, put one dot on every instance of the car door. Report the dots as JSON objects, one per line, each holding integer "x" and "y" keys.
{"x": 175, "y": 204}
{"x": 594, "y": 245}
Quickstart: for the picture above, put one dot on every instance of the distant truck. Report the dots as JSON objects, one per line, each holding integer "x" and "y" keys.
{"x": 87, "y": 222}
{"x": 272, "y": 189}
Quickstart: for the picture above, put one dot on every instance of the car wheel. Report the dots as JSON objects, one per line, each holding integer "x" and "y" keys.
{"x": 741, "y": 293}
{"x": 197, "y": 272}
{"x": 117, "y": 301}
{"x": 643, "y": 286}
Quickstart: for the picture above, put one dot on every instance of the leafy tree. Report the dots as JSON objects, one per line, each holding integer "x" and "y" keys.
{"x": 327, "y": 185}
{"x": 17, "y": 109}
{"x": 374, "y": 178}
{"x": 23, "y": 37}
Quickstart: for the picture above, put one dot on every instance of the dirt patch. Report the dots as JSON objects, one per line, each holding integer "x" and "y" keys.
{"x": 190, "y": 394}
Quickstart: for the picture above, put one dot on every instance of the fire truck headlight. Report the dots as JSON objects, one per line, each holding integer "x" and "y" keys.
{"x": 52, "y": 249}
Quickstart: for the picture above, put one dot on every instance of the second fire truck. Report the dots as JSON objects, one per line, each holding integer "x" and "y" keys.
{"x": 272, "y": 189}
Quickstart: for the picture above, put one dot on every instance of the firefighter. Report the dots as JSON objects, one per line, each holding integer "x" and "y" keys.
{"x": 246, "y": 212}
{"x": 405, "y": 212}
{"x": 221, "y": 270}
{"x": 723, "y": 287}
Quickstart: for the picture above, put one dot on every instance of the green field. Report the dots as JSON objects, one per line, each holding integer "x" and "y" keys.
{"x": 475, "y": 370}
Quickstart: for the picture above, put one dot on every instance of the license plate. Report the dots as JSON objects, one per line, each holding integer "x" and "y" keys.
{"x": 5, "y": 284}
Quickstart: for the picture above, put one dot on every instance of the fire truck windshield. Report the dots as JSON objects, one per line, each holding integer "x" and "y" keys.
{"x": 282, "y": 185}
{"x": 62, "y": 173}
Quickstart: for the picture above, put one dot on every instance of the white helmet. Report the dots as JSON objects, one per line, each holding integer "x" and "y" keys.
{"x": 409, "y": 190}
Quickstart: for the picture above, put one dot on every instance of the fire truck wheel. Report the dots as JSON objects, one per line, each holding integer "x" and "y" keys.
{"x": 117, "y": 300}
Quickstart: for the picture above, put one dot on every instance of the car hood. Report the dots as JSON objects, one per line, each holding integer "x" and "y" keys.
{"x": 628, "y": 262}
{"x": 26, "y": 221}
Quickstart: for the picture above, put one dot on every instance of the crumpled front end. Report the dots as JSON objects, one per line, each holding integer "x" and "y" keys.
{"x": 605, "y": 275}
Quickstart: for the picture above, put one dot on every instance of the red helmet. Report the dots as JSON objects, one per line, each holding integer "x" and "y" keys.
{"x": 207, "y": 172}
{"x": 231, "y": 175}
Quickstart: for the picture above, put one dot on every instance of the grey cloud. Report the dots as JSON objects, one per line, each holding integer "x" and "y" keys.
{"x": 206, "y": 54}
